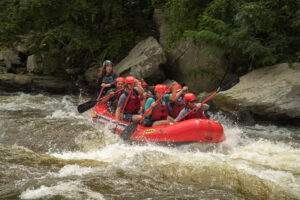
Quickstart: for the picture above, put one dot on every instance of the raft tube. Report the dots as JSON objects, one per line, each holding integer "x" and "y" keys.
{"x": 192, "y": 130}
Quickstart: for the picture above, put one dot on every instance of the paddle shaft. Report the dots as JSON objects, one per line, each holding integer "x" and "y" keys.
{"x": 150, "y": 108}
{"x": 110, "y": 95}
{"x": 211, "y": 96}
{"x": 124, "y": 106}
{"x": 100, "y": 93}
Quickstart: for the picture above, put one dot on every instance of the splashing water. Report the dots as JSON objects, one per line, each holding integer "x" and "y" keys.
{"x": 49, "y": 151}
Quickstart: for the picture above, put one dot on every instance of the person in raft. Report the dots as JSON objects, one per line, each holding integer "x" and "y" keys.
{"x": 190, "y": 103}
{"x": 176, "y": 106}
{"x": 147, "y": 94}
{"x": 111, "y": 102}
{"x": 159, "y": 115}
{"x": 133, "y": 104}
{"x": 107, "y": 77}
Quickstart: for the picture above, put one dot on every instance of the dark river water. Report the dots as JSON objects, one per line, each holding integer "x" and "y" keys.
{"x": 49, "y": 151}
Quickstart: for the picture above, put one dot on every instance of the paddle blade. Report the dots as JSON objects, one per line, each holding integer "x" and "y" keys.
{"x": 129, "y": 130}
{"x": 86, "y": 106}
{"x": 230, "y": 83}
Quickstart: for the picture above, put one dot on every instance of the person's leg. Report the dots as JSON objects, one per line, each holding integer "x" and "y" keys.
{"x": 161, "y": 122}
{"x": 136, "y": 118}
{"x": 171, "y": 119}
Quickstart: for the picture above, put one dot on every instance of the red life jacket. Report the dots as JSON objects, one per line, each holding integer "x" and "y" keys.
{"x": 195, "y": 114}
{"x": 178, "y": 106}
{"x": 159, "y": 112}
{"x": 133, "y": 104}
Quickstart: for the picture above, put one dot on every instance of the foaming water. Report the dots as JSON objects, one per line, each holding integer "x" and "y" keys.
{"x": 80, "y": 159}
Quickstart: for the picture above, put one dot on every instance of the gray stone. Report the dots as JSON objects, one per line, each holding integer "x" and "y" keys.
{"x": 272, "y": 91}
{"x": 91, "y": 75}
{"x": 31, "y": 63}
{"x": 8, "y": 56}
{"x": 197, "y": 69}
{"x": 28, "y": 82}
{"x": 144, "y": 61}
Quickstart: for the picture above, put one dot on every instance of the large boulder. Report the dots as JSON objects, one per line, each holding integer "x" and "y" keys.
{"x": 272, "y": 92}
{"x": 160, "y": 18}
{"x": 91, "y": 75}
{"x": 188, "y": 62}
{"x": 144, "y": 61}
{"x": 28, "y": 83}
{"x": 197, "y": 69}
{"x": 8, "y": 58}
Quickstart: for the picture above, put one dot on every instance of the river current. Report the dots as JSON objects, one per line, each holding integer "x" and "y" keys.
{"x": 50, "y": 151}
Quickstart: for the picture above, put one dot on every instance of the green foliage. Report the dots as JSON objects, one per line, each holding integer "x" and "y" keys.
{"x": 76, "y": 32}
{"x": 250, "y": 33}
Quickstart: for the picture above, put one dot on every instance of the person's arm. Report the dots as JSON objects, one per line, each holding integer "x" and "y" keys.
{"x": 120, "y": 106}
{"x": 150, "y": 104}
{"x": 181, "y": 114}
{"x": 139, "y": 87}
{"x": 178, "y": 94}
{"x": 173, "y": 94}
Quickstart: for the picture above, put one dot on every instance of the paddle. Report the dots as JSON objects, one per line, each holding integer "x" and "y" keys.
{"x": 130, "y": 129}
{"x": 121, "y": 114}
{"x": 87, "y": 105}
{"x": 100, "y": 93}
{"x": 225, "y": 86}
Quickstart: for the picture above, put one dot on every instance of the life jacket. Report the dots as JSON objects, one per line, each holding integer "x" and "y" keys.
{"x": 177, "y": 107}
{"x": 195, "y": 114}
{"x": 159, "y": 112}
{"x": 133, "y": 104}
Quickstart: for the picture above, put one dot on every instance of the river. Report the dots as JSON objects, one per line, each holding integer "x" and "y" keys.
{"x": 49, "y": 151}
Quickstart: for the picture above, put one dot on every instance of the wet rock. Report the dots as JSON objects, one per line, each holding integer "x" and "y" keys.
{"x": 31, "y": 63}
{"x": 144, "y": 61}
{"x": 15, "y": 82}
{"x": 244, "y": 117}
{"x": 159, "y": 16}
{"x": 8, "y": 57}
{"x": 272, "y": 92}
{"x": 200, "y": 71}
{"x": 28, "y": 82}
{"x": 91, "y": 75}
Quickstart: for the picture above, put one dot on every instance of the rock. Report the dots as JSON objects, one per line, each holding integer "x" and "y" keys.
{"x": 244, "y": 117}
{"x": 160, "y": 21}
{"x": 198, "y": 70}
{"x": 28, "y": 83}
{"x": 272, "y": 92}
{"x": 9, "y": 57}
{"x": 91, "y": 76}
{"x": 3, "y": 69}
{"x": 15, "y": 82}
{"x": 31, "y": 63}
{"x": 52, "y": 85}
{"x": 144, "y": 61}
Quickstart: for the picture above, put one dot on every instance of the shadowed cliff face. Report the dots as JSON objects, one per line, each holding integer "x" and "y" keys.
{"x": 270, "y": 92}
{"x": 49, "y": 151}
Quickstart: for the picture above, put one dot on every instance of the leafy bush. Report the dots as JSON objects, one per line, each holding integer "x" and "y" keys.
{"x": 76, "y": 32}
{"x": 250, "y": 33}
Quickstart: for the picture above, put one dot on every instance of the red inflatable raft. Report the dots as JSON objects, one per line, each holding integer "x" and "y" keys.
{"x": 192, "y": 130}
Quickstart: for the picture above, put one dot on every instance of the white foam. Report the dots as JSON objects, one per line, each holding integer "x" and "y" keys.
{"x": 73, "y": 170}
{"x": 70, "y": 190}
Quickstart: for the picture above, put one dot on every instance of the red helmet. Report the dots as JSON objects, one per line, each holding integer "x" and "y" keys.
{"x": 129, "y": 80}
{"x": 159, "y": 88}
{"x": 145, "y": 84}
{"x": 188, "y": 97}
{"x": 165, "y": 87}
{"x": 120, "y": 79}
{"x": 178, "y": 87}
